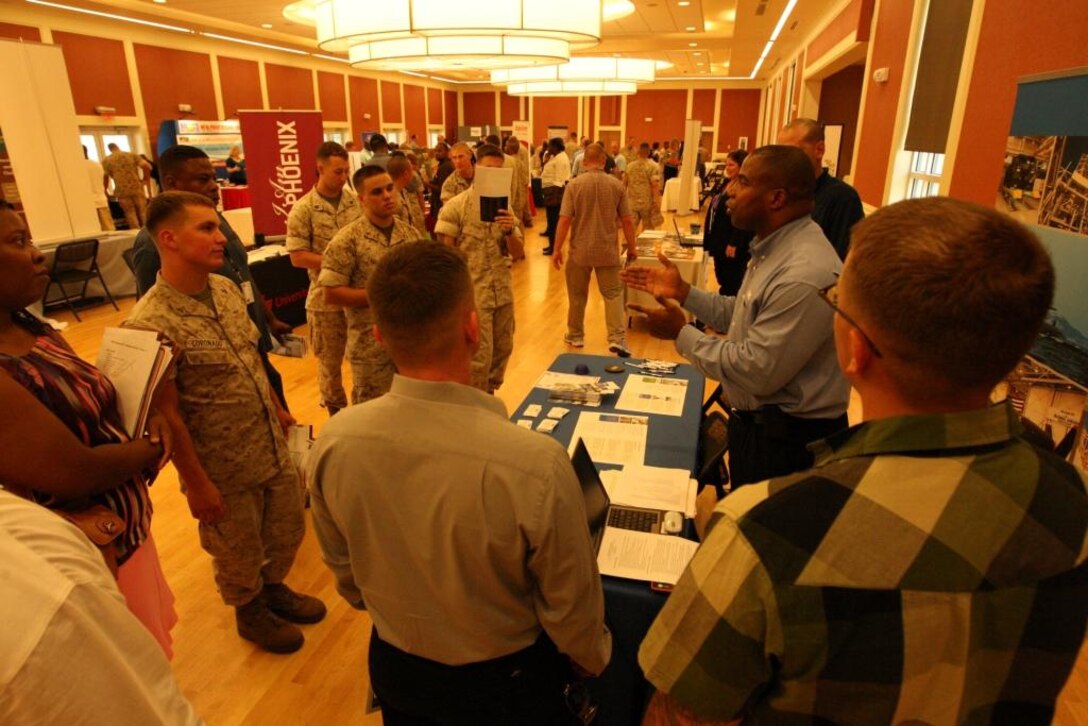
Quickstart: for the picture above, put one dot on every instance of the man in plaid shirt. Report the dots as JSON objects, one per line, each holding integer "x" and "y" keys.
{"x": 931, "y": 567}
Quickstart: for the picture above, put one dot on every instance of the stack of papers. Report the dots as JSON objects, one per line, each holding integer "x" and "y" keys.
{"x": 612, "y": 438}
{"x": 653, "y": 394}
{"x": 136, "y": 362}
{"x": 644, "y": 556}
{"x": 651, "y": 487}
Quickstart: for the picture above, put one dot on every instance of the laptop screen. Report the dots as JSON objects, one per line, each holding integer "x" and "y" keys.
{"x": 593, "y": 491}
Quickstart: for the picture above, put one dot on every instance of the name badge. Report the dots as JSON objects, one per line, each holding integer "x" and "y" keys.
{"x": 204, "y": 344}
{"x": 247, "y": 291}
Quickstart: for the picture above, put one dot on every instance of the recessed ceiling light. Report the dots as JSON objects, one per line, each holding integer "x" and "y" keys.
{"x": 690, "y": 28}
{"x": 159, "y": 2}
{"x": 693, "y": 45}
{"x": 697, "y": 53}
{"x": 684, "y": 3}
{"x": 263, "y": 25}
{"x": 616, "y": 55}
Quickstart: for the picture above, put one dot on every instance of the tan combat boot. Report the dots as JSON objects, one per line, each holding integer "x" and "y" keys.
{"x": 260, "y": 625}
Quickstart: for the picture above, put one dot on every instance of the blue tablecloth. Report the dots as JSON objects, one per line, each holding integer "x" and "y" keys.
{"x": 630, "y": 606}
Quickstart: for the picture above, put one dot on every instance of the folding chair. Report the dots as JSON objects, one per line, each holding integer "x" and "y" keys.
{"x": 73, "y": 263}
{"x": 713, "y": 443}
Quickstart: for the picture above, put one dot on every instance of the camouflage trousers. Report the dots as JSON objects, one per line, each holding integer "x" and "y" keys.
{"x": 135, "y": 209}
{"x": 496, "y": 345}
{"x": 255, "y": 544}
{"x": 371, "y": 367}
{"x": 328, "y": 341}
{"x": 650, "y": 217}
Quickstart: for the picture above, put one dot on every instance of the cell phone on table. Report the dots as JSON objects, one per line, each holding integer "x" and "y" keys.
{"x": 661, "y": 587}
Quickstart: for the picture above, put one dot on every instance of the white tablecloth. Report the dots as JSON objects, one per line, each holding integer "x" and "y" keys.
{"x": 114, "y": 270}
{"x": 241, "y": 221}
{"x": 671, "y": 195}
{"x": 693, "y": 267}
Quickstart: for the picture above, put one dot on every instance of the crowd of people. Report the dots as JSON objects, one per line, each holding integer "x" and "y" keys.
{"x": 926, "y": 564}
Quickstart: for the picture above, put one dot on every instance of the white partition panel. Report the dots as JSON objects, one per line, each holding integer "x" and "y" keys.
{"x": 38, "y": 119}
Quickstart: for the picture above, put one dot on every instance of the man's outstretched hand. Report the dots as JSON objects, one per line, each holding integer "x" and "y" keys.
{"x": 663, "y": 282}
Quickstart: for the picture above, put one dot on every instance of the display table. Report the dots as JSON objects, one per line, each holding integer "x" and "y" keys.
{"x": 630, "y": 605}
{"x": 283, "y": 285}
{"x": 670, "y": 198}
{"x": 234, "y": 197}
{"x": 692, "y": 262}
{"x": 111, "y": 245}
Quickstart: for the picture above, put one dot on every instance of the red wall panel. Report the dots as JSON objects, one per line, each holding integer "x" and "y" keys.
{"x": 364, "y": 100}
{"x": 666, "y": 108}
{"x": 511, "y": 108}
{"x": 434, "y": 106}
{"x": 451, "y": 122}
{"x": 840, "y": 97}
{"x": 610, "y": 110}
{"x": 289, "y": 87}
{"x": 889, "y": 50}
{"x": 1012, "y": 43}
{"x": 240, "y": 83}
{"x": 479, "y": 108}
{"x": 190, "y": 81}
{"x": 24, "y": 32}
{"x": 702, "y": 106}
{"x": 97, "y": 73}
{"x": 739, "y": 116}
{"x": 391, "y": 110}
{"x": 553, "y": 112}
{"x": 334, "y": 103}
{"x": 415, "y": 113}
{"x": 847, "y": 22}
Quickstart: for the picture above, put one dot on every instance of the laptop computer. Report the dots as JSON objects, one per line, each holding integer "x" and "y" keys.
{"x": 600, "y": 511}
{"x": 689, "y": 240}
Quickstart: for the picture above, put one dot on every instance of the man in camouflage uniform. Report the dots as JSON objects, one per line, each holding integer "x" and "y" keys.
{"x": 519, "y": 199}
{"x": 228, "y": 427}
{"x": 644, "y": 190}
{"x": 408, "y": 209}
{"x": 459, "y": 225}
{"x": 463, "y": 171}
{"x": 128, "y": 188}
{"x": 314, "y": 221}
{"x": 348, "y": 261}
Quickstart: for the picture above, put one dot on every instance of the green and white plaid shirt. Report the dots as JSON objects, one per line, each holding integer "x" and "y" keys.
{"x": 929, "y": 568}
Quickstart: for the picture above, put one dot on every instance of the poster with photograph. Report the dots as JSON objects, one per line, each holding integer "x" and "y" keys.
{"x": 1045, "y": 185}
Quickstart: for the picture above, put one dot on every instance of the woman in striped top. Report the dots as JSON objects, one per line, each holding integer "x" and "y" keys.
{"x": 62, "y": 442}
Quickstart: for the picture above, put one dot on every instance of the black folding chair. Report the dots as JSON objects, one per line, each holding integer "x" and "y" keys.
{"x": 713, "y": 443}
{"x": 74, "y": 263}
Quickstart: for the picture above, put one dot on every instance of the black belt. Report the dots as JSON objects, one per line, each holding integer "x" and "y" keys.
{"x": 774, "y": 422}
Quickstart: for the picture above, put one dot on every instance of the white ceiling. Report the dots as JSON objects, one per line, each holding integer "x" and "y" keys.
{"x": 700, "y": 38}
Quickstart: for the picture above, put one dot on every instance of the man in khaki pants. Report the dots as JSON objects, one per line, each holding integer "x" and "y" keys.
{"x": 128, "y": 186}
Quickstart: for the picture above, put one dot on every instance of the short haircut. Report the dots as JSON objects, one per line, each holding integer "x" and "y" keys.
{"x": 737, "y": 155}
{"x": 170, "y": 206}
{"x": 417, "y": 292}
{"x": 378, "y": 142}
{"x": 811, "y": 129}
{"x": 487, "y": 150}
{"x": 555, "y": 145}
{"x": 330, "y": 149}
{"x": 789, "y": 168}
{"x": 463, "y": 145}
{"x": 398, "y": 165}
{"x": 112, "y": 146}
{"x": 593, "y": 153}
{"x": 365, "y": 172}
{"x": 492, "y": 139}
{"x": 6, "y": 206}
{"x": 955, "y": 291}
{"x": 171, "y": 160}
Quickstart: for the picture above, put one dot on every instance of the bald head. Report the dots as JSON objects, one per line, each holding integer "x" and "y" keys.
{"x": 594, "y": 156}
{"x": 807, "y": 135}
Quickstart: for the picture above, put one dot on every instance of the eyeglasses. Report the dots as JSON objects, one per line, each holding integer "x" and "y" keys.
{"x": 830, "y": 295}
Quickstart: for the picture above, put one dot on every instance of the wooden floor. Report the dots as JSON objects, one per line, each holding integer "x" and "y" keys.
{"x": 228, "y": 679}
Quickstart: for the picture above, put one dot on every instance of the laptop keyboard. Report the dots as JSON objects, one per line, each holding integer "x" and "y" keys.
{"x": 636, "y": 519}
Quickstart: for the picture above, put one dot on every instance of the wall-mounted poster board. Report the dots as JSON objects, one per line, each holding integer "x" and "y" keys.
{"x": 1045, "y": 185}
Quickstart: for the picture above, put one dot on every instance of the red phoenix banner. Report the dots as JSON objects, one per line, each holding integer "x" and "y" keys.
{"x": 280, "y": 147}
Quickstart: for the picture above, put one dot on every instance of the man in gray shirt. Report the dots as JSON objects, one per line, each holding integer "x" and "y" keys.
{"x": 463, "y": 535}
{"x": 777, "y": 367}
